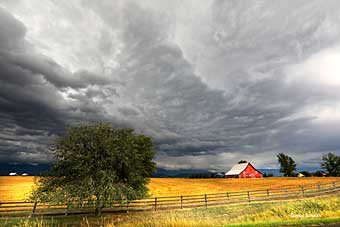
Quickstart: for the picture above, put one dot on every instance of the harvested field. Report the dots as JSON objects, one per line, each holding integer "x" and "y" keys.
{"x": 15, "y": 188}
{"x": 18, "y": 187}
{"x": 182, "y": 186}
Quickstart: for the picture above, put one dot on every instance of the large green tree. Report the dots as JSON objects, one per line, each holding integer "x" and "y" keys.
{"x": 287, "y": 165}
{"x": 98, "y": 164}
{"x": 331, "y": 164}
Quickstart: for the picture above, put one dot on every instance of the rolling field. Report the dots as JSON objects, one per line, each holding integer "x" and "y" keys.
{"x": 184, "y": 186}
{"x": 18, "y": 187}
{"x": 15, "y": 188}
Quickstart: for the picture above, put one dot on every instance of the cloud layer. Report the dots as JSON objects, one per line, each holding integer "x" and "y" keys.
{"x": 212, "y": 83}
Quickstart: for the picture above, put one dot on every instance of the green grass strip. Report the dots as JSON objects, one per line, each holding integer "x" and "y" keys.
{"x": 302, "y": 222}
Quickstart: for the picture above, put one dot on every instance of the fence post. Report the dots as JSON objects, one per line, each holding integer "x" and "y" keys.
{"x": 334, "y": 185}
{"x": 205, "y": 199}
{"x": 127, "y": 206}
{"x": 248, "y": 193}
{"x": 34, "y": 207}
{"x": 319, "y": 188}
{"x": 181, "y": 202}
{"x": 268, "y": 193}
{"x": 287, "y": 192}
{"x": 228, "y": 197}
{"x": 302, "y": 191}
{"x": 67, "y": 207}
{"x": 155, "y": 203}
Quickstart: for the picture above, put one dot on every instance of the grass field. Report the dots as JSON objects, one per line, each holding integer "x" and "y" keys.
{"x": 18, "y": 187}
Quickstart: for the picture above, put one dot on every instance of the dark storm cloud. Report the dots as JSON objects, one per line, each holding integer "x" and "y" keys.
{"x": 20, "y": 93}
{"x": 220, "y": 82}
{"x": 41, "y": 66}
{"x": 30, "y": 99}
{"x": 12, "y": 31}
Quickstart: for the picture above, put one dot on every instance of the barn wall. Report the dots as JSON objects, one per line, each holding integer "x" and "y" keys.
{"x": 250, "y": 172}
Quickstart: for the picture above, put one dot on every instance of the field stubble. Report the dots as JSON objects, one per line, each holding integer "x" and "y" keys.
{"x": 17, "y": 188}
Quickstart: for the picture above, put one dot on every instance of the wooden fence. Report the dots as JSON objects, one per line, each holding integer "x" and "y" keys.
{"x": 20, "y": 208}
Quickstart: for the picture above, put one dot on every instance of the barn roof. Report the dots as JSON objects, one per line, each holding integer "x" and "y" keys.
{"x": 237, "y": 169}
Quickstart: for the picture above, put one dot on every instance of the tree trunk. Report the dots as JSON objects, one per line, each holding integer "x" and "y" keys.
{"x": 98, "y": 211}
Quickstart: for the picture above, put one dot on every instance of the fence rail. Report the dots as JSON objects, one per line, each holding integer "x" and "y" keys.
{"x": 19, "y": 208}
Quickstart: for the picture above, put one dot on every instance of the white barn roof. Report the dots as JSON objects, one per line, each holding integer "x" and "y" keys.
{"x": 237, "y": 169}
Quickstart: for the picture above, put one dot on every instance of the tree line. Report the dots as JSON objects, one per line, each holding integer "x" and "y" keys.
{"x": 330, "y": 164}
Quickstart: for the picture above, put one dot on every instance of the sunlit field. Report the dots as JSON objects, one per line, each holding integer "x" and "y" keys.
{"x": 182, "y": 186}
{"x": 16, "y": 188}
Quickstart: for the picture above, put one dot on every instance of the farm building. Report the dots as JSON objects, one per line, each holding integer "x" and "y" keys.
{"x": 243, "y": 170}
{"x": 300, "y": 175}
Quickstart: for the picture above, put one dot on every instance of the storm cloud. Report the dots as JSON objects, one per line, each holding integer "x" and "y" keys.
{"x": 212, "y": 82}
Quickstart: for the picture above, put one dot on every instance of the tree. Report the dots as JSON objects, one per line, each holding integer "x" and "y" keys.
{"x": 268, "y": 175}
{"x": 97, "y": 164}
{"x": 242, "y": 161}
{"x": 287, "y": 165}
{"x": 201, "y": 175}
{"x": 306, "y": 173}
{"x": 331, "y": 164}
{"x": 320, "y": 174}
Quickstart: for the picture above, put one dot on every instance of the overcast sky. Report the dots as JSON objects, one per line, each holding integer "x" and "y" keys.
{"x": 212, "y": 82}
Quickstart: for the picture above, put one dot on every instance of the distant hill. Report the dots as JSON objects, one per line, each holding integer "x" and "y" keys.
{"x": 178, "y": 173}
{"x": 20, "y": 168}
{"x": 187, "y": 172}
{"x": 38, "y": 169}
{"x": 275, "y": 172}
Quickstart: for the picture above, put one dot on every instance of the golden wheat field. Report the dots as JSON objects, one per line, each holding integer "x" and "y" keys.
{"x": 16, "y": 188}
{"x": 185, "y": 186}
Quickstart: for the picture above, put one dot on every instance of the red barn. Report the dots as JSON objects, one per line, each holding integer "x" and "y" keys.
{"x": 243, "y": 170}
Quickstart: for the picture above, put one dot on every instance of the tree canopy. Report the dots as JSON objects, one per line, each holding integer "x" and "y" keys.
{"x": 242, "y": 161}
{"x": 95, "y": 162}
{"x": 287, "y": 165}
{"x": 331, "y": 164}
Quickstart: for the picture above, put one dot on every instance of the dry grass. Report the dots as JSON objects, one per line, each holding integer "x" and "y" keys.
{"x": 175, "y": 186}
{"x": 17, "y": 187}
{"x": 303, "y": 212}
{"x": 254, "y": 213}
